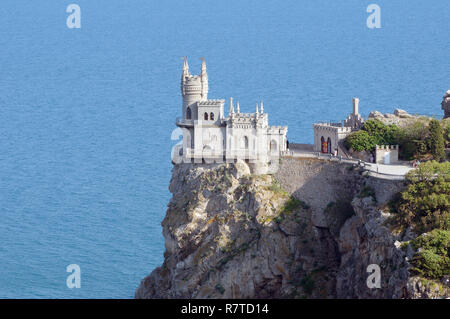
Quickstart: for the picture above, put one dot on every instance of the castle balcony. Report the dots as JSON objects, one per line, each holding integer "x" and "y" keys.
{"x": 183, "y": 122}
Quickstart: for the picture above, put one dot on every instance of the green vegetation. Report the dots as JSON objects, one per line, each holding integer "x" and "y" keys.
{"x": 425, "y": 204}
{"x": 412, "y": 140}
{"x": 220, "y": 288}
{"x": 436, "y": 140}
{"x": 307, "y": 283}
{"x": 367, "y": 191}
{"x": 381, "y": 133}
{"x": 432, "y": 260}
{"x": 360, "y": 141}
{"x": 447, "y": 134}
{"x": 374, "y": 132}
{"x": 291, "y": 204}
{"x": 416, "y": 140}
{"x": 276, "y": 188}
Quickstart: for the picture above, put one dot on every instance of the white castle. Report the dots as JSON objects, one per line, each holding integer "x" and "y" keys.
{"x": 209, "y": 135}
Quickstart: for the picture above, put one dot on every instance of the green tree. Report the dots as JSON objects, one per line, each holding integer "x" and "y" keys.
{"x": 436, "y": 140}
{"x": 432, "y": 260}
{"x": 447, "y": 133}
{"x": 425, "y": 204}
{"x": 360, "y": 141}
{"x": 412, "y": 140}
{"x": 382, "y": 133}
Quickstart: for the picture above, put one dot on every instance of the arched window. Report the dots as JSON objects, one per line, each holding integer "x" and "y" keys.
{"x": 211, "y": 116}
{"x": 246, "y": 142}
{"x": 205, "y": 116}
{"x": 188, "y": 113}
{"x": 323, "y": 145}
{"x": 329, "y": 145}
{"x": 273, "y": 146}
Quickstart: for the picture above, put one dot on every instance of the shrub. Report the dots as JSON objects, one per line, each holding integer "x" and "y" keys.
{"x": 425, "y": 204}
{"x": 291, "y": 204}
{"x": 382, "y": 133}
{"x": 447, "y": 133}
{"x": 360, "y": 141}
{"x": 367, "y": 191}
{"x": 374, "y": 132}
{"x": 432, "y": 260}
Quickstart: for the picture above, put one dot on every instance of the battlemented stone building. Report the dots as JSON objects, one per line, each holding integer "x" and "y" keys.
{"x": 328, "y": 135}
{"x": 209, "y": 135}
{"x": 386, "y": 154}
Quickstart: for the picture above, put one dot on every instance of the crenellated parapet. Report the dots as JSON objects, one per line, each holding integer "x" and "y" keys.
{"x": 330, "y": 127}
{"x": 386, "y": 147}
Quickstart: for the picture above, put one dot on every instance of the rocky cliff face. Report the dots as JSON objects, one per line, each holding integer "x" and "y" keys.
{"x": 309, "y": 231}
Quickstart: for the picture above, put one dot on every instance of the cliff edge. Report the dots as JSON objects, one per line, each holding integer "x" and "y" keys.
{"x": 308, "y": 231}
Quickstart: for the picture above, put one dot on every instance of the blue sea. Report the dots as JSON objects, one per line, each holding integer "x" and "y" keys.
{"x": 86, "y": 115}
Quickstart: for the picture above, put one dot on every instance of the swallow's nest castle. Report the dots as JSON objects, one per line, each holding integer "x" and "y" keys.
{"x": 209, "y": 135}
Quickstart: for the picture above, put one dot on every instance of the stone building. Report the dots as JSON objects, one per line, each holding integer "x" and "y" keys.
{"x": 446, "y": 104}
{"x": 210, "y": 135}
{"x": 386, "y": 154}
{"x": 328, "y": 135}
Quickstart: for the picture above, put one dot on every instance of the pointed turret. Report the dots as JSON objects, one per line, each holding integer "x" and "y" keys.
{"x": 185, "y": 67}
{"x": 262, "y": 108}
{"x": 184, "y": 74}
{"x": 203, "y": 66}
{"x": 231, "y": 106}
{"x": 238, "y": 109}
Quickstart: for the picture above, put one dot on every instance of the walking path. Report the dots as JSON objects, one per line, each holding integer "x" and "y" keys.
{"x": 383, "y": 171}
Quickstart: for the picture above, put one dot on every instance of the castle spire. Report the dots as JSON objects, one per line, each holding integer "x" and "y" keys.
{"x": 185, "y": 66}
{"x": 257, "y": 108}
{"x": 262, "y": 107}
{"x": 203, "y": 66}
{"x": 231, "y": 106}
{"x": 238, "y": 109}
{"x": 184, "y": 74}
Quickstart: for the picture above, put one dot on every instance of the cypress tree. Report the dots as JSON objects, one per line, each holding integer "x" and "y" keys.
{"x": 436, "y": 140}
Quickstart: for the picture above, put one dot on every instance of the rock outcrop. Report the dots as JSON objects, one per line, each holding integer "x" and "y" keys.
{"x": 309, "y": 231}
{"x": 446, "y": 104}
{"x": 399, "y": 117}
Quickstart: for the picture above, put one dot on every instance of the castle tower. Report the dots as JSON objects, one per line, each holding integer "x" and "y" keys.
{"x": 355, "y": 106}
{"x": 204, "y": 80}
{"x": 194, "y": 88}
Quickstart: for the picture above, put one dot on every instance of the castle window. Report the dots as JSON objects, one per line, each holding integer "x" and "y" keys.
{"x": 205, "y": 116}
{"x": 329, "y": 145}
{"x": 273, "y": 146}
{"x": 188, "y": 113}
{"x": 211, "y": 116}
{"x": 324, "y": 145}
{"x": 244, "y": 142}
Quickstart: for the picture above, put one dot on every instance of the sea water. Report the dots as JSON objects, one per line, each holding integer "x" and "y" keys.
{"x": 86, "y": 115}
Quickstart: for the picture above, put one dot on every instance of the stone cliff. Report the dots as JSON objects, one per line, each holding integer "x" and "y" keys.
{"x": 308, "y": 231}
